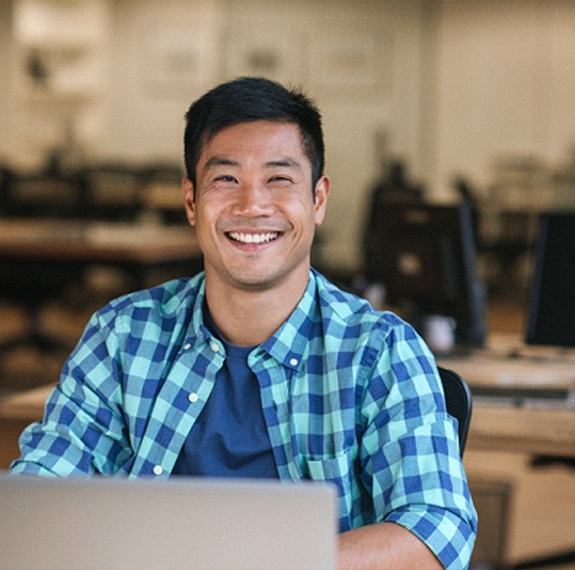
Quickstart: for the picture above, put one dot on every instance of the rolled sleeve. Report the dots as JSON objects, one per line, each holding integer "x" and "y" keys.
{"x": 411, "y": 454}
{"x": 83, "y": 431}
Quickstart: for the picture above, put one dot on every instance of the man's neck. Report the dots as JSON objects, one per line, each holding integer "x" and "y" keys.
{"x": 249, "y": 317}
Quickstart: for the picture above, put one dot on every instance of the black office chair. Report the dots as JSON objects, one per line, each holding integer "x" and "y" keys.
{"x": 458, "y": 401}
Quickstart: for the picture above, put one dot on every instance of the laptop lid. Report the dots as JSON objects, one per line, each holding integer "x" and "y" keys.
{"x": 181, "y": 523}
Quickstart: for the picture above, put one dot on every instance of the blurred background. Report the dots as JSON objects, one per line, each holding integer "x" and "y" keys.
{"x": 479, "y": 91}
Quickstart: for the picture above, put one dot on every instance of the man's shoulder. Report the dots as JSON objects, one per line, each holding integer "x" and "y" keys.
{"x": 349, "y": 309}
{"x": 166, "y": 298}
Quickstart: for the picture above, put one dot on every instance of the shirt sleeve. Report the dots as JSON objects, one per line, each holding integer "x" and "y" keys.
{"x": 83, "y": 431}
{"x": 410, "y": 451}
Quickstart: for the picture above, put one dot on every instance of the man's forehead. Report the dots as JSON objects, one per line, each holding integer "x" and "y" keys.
{"x": 255, "y": 127}
{"x": 274, "y": 144}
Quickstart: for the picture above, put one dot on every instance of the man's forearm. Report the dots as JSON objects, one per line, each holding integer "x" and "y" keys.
{"x": 384, "y": 546}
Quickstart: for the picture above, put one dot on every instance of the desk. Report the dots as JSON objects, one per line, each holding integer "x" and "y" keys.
{"x": 543, "y": 381}
{"x": 25, "y": 406}
{"x": 39, "y": 259}
{"x": 85, "y": 243}
{"x": 542, "y": 425}
{"x": 522, "y": 430}
{"x": 16, "y": 412}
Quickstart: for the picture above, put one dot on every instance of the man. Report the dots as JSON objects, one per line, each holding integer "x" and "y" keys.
{"x": 259, "y": 367}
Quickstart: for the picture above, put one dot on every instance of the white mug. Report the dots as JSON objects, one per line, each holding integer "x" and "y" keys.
{"x": 439, "y": 333}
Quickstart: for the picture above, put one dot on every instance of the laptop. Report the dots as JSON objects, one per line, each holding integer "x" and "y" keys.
{"x": 204, "y": 524}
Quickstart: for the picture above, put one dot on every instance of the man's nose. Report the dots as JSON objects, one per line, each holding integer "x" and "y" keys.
{"x": 253, "y": 199}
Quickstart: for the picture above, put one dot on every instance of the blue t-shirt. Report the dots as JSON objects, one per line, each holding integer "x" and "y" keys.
{"x": 230, "y": 437}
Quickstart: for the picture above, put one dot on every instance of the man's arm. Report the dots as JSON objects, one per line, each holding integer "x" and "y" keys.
{"x": 412, "y": 467}
{"x": 384, "y": 545}
{"x": 83, "y": 431}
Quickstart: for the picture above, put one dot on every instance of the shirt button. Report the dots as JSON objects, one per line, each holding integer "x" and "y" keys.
{"x": 158, "y": 469}
{"x": 187, "y": 346}
{"x": 294, "y": 361}
{"x": 214, "y": 347}
{"x": 193, "y": 397}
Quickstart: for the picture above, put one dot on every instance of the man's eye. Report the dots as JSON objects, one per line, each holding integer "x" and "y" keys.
{"x": 225, "y": 178}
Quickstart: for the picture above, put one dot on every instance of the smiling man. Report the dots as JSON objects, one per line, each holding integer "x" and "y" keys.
{"x": 259, "y": 367}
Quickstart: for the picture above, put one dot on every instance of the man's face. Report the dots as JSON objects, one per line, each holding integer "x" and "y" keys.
{"x": 253, "y": 206}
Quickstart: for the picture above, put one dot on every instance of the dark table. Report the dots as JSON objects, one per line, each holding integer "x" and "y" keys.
{"x": 39, "y": 259}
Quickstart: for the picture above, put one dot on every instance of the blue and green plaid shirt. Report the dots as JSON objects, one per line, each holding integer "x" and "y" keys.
{"x": 349, "y": 394}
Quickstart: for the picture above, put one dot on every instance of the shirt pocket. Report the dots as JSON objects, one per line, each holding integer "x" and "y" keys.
{"x": 336, "y": 469}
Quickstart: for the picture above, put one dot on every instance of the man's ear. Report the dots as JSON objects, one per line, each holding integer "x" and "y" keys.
{"x": 189, "y": 200}
{"x": 322, "y": 189}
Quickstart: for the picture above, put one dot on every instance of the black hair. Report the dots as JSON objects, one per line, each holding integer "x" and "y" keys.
{"x": 252, "y": 99}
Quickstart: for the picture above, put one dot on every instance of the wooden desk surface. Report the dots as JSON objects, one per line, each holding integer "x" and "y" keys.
{"x": 522, "y": 430}
{"x": 541, "y": 428}
{"x": 503, "y": 372}
{"x": 95, "y": 242}
{"x": 27, "y": 406}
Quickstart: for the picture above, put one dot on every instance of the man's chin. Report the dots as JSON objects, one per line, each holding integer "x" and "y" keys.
{"x": 257, "y": 283}
{"x": 266, "y": 280}
{"x": 260, "y": 276}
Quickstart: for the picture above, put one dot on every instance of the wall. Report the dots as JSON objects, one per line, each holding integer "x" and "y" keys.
{"x": 154, "y": 73}
{"x": 5, "y": 74}
{"x": 504, "y": 85}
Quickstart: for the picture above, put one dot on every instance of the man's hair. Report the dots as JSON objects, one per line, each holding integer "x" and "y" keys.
{"x": 251, "y": 99}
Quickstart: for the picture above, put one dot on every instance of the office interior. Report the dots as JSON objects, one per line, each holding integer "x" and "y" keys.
{"x": 473, "y": 98}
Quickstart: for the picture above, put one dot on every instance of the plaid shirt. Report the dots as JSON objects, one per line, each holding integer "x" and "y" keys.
{"x": 349, "y": 394}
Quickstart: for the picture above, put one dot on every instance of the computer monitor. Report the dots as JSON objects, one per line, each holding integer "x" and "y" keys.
{"x": 551, "y": 305}
{"x": 425, "y": 257}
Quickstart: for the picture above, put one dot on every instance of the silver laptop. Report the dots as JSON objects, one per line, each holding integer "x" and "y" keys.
{"x": 204, "y": 524}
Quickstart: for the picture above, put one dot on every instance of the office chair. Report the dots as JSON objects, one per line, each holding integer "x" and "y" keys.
{"x": 458, "y": 401}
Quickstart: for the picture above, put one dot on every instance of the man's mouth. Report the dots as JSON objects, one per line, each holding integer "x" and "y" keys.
{"x": 241, "y": 237}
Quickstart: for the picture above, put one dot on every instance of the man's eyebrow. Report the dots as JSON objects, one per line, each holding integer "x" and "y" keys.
{"x": 283, "y": 162}
{"x": 220, "y": 161}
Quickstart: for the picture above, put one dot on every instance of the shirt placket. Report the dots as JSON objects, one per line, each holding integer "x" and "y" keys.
{"x": 187, "y": 389}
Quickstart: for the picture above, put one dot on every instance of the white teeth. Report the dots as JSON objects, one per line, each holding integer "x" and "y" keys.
{"x": 253, "y": 238}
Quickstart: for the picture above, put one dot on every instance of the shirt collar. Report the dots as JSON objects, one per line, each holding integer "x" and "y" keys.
{"x": 198, "y": 326}
{"x": 288, "y": 344}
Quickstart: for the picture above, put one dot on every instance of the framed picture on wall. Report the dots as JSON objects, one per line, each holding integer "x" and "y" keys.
{"x": 266, "y": 51}
{"x": 177, "y": 57}
{"x": 347, "y": 63}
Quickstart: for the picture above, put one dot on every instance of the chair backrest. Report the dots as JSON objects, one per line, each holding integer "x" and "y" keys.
{"x": 458, "y": 401}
